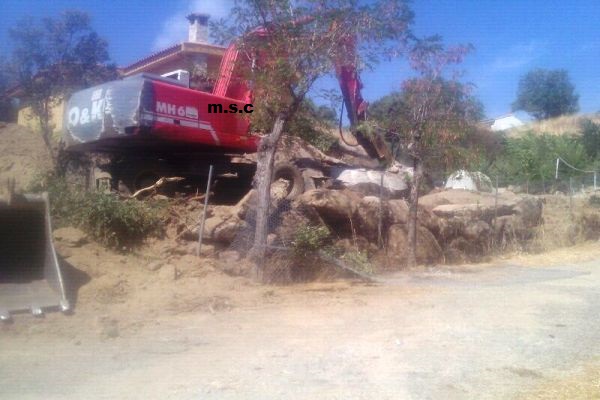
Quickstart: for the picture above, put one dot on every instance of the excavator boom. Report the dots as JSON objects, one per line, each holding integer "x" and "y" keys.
{"x": 356, "y": 106}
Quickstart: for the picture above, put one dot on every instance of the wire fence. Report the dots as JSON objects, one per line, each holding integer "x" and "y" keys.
{"x": 307, "y": 242}
{"x": 566, "y": 179}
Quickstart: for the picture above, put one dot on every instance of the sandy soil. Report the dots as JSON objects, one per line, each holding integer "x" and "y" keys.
{"x": 485, "y": 332}
{"x": 160, "y": 323}
{"x": 23, "y": 156}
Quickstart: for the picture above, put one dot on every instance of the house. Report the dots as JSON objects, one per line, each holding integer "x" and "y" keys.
{"x": 195, "y": 55}
{"x": 195, "y": 59}
{"x": 505, "y": 122}
{"x": 25, "y": 117}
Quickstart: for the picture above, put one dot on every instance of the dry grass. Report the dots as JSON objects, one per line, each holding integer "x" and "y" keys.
{"x": 569, "y": 234}
{"x": 566, "y": 124}
{"x": 558, "y": 229}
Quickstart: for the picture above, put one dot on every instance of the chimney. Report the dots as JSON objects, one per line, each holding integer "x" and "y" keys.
{"x": 198, "y": 31}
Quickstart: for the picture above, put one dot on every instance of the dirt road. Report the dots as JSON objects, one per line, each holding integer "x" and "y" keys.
{"x": 495, "y": 332}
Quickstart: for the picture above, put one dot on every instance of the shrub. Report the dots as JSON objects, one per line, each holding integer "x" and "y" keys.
{"x": 119, "y": 223}
{"x": 308, "y": 240}
{"x": 359, "y": 261}
{"x": 113, "y": 222}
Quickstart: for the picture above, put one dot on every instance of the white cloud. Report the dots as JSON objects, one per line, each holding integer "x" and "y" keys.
{"x": 175, "y": 27}
{"x": 516, "y": 56}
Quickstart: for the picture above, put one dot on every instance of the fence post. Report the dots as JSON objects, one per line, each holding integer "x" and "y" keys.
{"x": 571, "y": 195}
{"x": 203, "y": 218}
{"x": 380, "y": 221}
{"x": 496, "y": 202}
{"x": 495, "y": 213}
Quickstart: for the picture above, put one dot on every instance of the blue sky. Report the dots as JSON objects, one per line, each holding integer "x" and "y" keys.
{"x": 510, "y": 38}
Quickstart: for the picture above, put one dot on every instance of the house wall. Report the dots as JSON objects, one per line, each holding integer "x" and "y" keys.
{"x": 183, "y": 62}
{"x": 26, "y": 118}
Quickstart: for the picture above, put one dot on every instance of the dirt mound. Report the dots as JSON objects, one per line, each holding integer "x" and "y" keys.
{"x": 116, "y": 294}
{"x": 24, "y": 155}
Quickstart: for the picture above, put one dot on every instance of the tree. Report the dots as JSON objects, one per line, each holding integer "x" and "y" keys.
{"x": 53, "y": 57}
{"x": 546, "y": 94}
{"x": 590, "y": 137}
{"x": 392, "y": 112}
{"x": 531, "y": 158}
{"x": 6, "y": 81}
{"x": 437, "y": 112}
{"x": 298, "y": 43}
{"x": 310, "y": 122}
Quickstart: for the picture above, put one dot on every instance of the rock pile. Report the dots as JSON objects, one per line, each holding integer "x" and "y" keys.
{"x": 454, "y": 225}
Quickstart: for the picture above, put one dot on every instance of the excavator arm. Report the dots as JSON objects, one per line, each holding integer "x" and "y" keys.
{"x": 350, "y": 85}
{"x": 356, "y": 106}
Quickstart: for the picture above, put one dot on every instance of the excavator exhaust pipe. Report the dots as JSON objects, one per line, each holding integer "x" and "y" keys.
{"x": 30, "y": 275}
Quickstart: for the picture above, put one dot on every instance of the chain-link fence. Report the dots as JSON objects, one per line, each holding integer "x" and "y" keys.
{"x": 334, "y": 230}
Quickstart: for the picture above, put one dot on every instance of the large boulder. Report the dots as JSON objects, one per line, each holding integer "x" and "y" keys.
{"x": 356, "y": 243}
{"x": 290, "y": 220}
{"x": 397, "y": 243}
{"x": 510, "y": 228}
{"x": 428, "y": 249}
{"x": 367, "y": 217}
{"x": 335, "y": 207}
{"x": 530, "y": 210}
{"x": 369, "y": 181}
{"x": 218, "y": 229}
{"x": 227, "y": 231}
{"x": 472, "y": 211}
{"x": 476, "y": 231}
{"x": 398, "y": 211}
{"x": 468, "y": 180}
{"x": 468, "y": 222}
{"x": 399, "y": 215}
{"x": 505, "y": 199}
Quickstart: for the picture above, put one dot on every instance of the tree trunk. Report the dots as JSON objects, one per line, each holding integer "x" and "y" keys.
{"x": 263, "y": 177}
{"x": 413, "y": 223}
{"x": 44, "y": 117}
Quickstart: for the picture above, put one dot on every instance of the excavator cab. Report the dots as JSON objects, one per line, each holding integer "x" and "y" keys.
{"x": 30, "y": 275}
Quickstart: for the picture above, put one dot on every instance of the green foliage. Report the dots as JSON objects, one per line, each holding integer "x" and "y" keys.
{"x": 450, "y": 137}
{"x": 388, "y": 110}
{"x": 310, "y": 123}
{"x": 57, "y": 54}
{"x": 7, "y": 110}
{"x": 53, "y": 57}
{"x": 113, "y": 222}
{"x": 359, "y": 261}
{"x": 306, "y": 41}
{"x": 590, "y": 137}
{"x": 308, "y": 240}
{"x": 532, "y": 157}
{"x": 314, "y": 124}
{"x": 546, "y": 94}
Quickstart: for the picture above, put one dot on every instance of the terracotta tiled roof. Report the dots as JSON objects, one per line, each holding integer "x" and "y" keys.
{"x": 170, "y": 52}
{"x": 152, "y": 57}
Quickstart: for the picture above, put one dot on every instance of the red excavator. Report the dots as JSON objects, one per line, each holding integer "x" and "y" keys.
{"x": 156, "y": 126}
{"x": 151, "y": 126}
